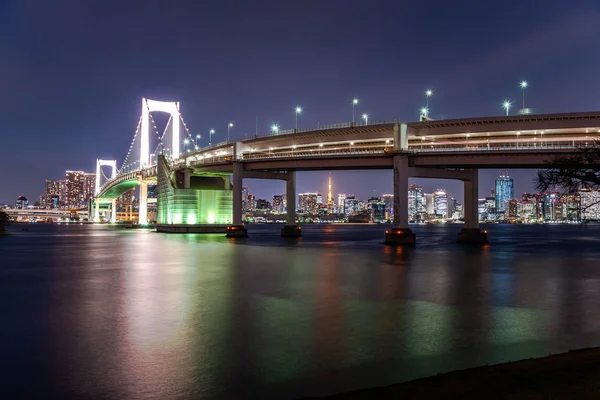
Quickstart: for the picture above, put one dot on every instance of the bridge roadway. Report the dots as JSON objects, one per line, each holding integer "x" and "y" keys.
{"x": 452, "y": 149}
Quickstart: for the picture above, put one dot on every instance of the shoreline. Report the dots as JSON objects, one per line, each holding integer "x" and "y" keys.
{"x": 574, "y": 375}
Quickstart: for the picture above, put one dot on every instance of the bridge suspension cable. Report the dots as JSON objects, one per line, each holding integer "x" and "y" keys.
{"x": 131, "y": 146}
{"x": 190, "y": 137}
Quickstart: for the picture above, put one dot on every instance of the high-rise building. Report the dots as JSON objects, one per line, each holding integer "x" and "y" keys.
{"x": 377, "y": 208}
{"x": 388, "y": 199}
{"x": 512, "y": 209}
{"x": 341, "y": 198}
{"x": 351, "y": 205}
{"x": 52, "y": 189}
{"x": 251, "y": 202}
{"x": 415, "y": 200}
{"x": 429, "y": 208}
{"x": 553, "y": 207}
{"x": 21, "y": 203}
{"x": 504, "y": 191}
{"x": 440, "y": 203}
{"x": 89, "y": 187}
{"x": 75, "y": 188}
{"x": 590, "y": 204}
{"x": 277, "y": 205}
{"x": 319, "y": 198}
{"x": 263, "y": 205}
{"x": 245, "y": 198}
{"x": 308, "y": 202}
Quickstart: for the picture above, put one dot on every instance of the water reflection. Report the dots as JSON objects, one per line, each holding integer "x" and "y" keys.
{"x": 134, "y": 314}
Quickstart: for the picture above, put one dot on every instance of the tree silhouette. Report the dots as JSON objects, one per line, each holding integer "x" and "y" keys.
{"x": 571, "y": 172}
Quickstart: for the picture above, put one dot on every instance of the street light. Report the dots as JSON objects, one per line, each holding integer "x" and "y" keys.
{"x": 523, "y": 85}
{"x": 424, "y": 111}
{"x": 210, "y": 133}
{"x": 229, "y": 126}
{"x": 298, "y": 111}
{"x": 506, "y": 105}
{"x": 365, "y": 117}
{"x": 275, "y": 129}
{"x": 354, "y": 103}
{"x": 185, "y": 143}
{"x": 197, "y": 137}
{"x": 428, "y": 94}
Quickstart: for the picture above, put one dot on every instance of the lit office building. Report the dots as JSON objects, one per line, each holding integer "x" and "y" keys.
{"x": 245, "y": 199}
{"x": 440, "y": 203}
{"x": 351, "y": 205}
{"x": 526, "y": 210}
{"x": 415, "y": 200}
{"x": 429, "y": 207}
{"x": 341, "y": 199}
{"x": 263, "y": 205}
{"x": 388, "y": 199}
{"x": 52, "y": 189}
{"x": 89, "y": 187}
{"x": 21, "y": 203}
{"x": 590, "y": 204}
{"x": 308, "y": 202}
{"x": 319, "y": 198}
{"x": 504, "y": 191}
{"x": 376, "y": 208}
{"x": 277, "y": 205}
{"x": 553, "y": 207}
{"x": 511, "y": 211}
{"x": 251, "y": 202}
{"x": 75, "y": 188}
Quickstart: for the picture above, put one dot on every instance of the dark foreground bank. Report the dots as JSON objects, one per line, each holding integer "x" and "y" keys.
{"x": 572, "y": 375}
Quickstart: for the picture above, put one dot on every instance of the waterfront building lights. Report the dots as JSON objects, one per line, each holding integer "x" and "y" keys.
{"x": 298, "y": 112}
{"x": 354, "y": 103}
{"x": 506, "y": 105}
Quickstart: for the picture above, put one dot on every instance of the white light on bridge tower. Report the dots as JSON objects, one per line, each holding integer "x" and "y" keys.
{"x": 104, "y": 163}
{"x": 149, "y": 106}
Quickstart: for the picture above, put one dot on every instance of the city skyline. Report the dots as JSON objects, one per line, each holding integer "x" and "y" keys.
{"x": 89, "y": 109}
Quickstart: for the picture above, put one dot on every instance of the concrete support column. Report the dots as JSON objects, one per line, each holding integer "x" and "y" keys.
{"x": 113, "y": 211}
{"x": 401, "y": 137}
{"x": 291, "y": 229}
{"x": 97, "y": 210}
{"x": 237, "y": 229}
{"x": 187, "y": 177}
{"x": 400, "y": 234}
{"x": 290, "y": 194}
{"x": 471, "y": 191}
{"x": 143, "y": 211}
{"x": 471, "y": 234}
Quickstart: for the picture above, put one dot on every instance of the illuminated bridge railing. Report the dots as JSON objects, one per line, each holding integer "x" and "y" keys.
{"x": 485, "y": 148}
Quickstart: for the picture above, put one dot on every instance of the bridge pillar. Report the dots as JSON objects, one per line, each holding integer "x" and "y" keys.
{"x": 237, "y": 229}
{"x": 143, "y": 206}
{"x": 400, "y": 234}
{"x": 113, "y": 211}
{"x": 291, "y": 229}
{"x": 97, "y": 210}
{"x": 471, "y": 233}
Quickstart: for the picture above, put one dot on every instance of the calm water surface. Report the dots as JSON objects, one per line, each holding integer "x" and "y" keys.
{"x": 97, "y": 312}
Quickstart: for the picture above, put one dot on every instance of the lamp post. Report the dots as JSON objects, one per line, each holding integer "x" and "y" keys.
{"x": 523, "y": 85}
{"x": 365, "y": 117}
{"x": 275, "y": 129}
{"x": 428, "y": 94}
{"x": 210, "y": 133}
{"x": 298, "y": 111}
{"x": 229, "y": 126}
{"x": 197, "y": 137}
{"x": 185, "y": 143}
{"x": 354, "y": 103}
{"x": 424, "y": 112}
{"x": 506, "y": 105}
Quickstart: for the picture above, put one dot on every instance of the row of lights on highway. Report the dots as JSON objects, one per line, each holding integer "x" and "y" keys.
{"x": 506, "y": 105}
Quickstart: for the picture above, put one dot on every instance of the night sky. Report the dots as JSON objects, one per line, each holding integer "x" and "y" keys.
{"x": 73, "y": 72}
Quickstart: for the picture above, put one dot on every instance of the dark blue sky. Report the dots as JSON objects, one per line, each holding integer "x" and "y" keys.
{"x": 72, "y": 72}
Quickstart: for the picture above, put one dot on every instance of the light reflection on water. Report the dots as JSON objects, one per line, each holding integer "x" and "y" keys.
{"x": 98, "y": 312}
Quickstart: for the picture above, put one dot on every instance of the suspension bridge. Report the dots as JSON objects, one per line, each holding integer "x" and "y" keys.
{"x": 200, "y": 189}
